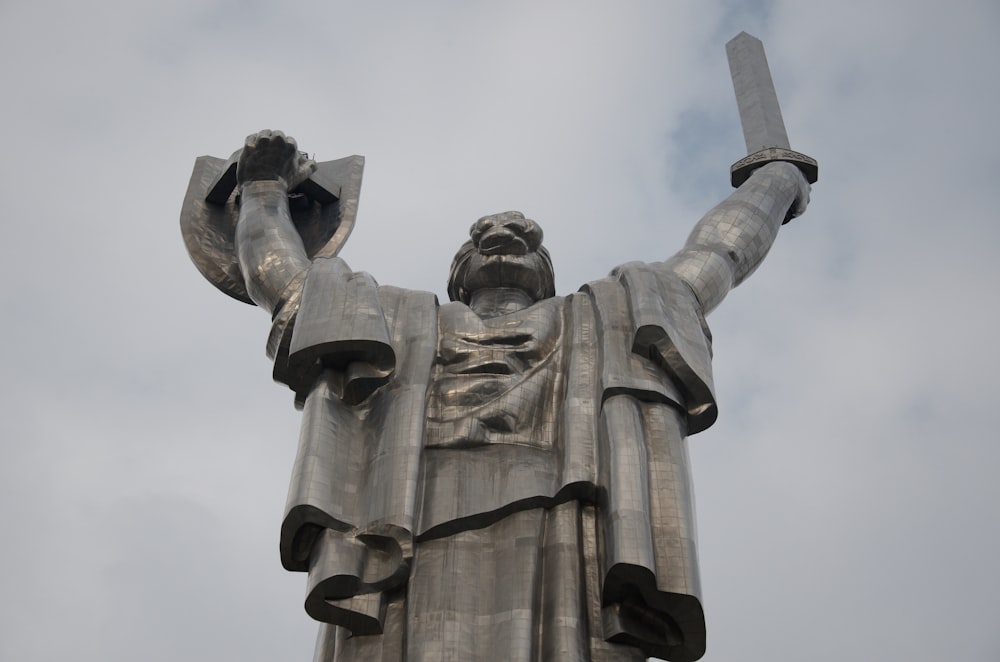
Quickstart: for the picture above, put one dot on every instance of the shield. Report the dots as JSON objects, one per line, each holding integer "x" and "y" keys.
{"x": 323, "y": 209}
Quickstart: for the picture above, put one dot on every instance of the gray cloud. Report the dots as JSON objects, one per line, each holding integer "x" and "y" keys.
{"x": 846, "y": 498}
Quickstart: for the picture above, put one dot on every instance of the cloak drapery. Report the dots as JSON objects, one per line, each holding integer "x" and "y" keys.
{"x": 595, "y": 527}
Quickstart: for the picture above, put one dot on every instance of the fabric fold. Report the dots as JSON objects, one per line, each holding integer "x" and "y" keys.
{"x": 369, "y": 489}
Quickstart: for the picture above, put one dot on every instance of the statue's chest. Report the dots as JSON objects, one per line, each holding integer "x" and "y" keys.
{"x": 494, "y": 379}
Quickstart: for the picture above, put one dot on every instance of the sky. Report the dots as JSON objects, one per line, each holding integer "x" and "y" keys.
{"x": 848, "y": 497}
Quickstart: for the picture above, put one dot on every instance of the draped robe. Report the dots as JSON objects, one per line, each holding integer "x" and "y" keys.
{"x": 510, "y": 488}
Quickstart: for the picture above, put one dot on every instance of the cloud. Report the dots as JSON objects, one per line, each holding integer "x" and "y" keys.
{"x": 846, "y": 494}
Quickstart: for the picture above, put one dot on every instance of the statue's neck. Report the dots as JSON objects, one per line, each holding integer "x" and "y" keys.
{"x": 497, "y": 301}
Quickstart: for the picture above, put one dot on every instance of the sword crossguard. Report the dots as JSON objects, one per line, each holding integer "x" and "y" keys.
{"x": 742, "y": 169}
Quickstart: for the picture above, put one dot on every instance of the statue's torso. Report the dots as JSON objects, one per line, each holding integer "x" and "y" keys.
{"x": 496, "y": 380}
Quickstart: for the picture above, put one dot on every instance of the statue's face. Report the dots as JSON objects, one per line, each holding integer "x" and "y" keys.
{"x": 509, "y": 233}
{"x": 505, "y": 251}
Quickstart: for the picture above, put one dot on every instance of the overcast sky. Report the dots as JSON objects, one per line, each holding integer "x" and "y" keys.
{"x": 848, "y": 498}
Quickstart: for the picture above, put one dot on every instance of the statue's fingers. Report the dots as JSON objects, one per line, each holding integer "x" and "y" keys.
{"x": 290, "y": 148}
{"x": 801, "y": 202}
{"x": 264, "y": 138}
{"x": 307, "y": 167}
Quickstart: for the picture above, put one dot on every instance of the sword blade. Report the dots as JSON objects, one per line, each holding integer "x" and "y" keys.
{"x": 760, "y": 115}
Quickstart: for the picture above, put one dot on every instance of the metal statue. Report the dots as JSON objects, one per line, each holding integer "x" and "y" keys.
{"x": 504, "y": 476}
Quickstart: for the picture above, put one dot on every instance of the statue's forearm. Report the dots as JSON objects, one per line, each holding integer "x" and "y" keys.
{"x": 269, "y": 248}
{"x": 732, "y": 239}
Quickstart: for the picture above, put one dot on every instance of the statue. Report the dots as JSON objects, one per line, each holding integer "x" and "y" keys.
{"x": 504, "y": 476}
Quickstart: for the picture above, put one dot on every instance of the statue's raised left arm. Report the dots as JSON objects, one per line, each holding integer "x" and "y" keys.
{"x": 731, "y": 240}
{"x": 270, "y": 250}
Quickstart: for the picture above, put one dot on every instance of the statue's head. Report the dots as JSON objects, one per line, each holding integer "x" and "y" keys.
{"x": 505, "y": 251}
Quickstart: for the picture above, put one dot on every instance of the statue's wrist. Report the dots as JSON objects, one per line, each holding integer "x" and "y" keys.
{"x": 782, "y": 169}
{"x": 783, "y": 175}
{"x": 263, "y": 187}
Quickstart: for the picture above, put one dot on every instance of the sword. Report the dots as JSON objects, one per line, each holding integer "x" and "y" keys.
{"x": 760, "y": 115}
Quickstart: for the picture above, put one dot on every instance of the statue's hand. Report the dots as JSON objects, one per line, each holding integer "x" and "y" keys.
{"x": 801, "y": 198}
{"x": 792, "y": 180}
{"x": 270, "y": 155}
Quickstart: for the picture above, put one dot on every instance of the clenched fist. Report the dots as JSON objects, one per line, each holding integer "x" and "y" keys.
{"x": 270, "y": 155}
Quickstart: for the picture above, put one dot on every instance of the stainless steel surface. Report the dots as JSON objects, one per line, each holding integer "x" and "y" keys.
{"x": 504, "y": 476}
{"x": 755, "y": 96}
{"x": 324, "y": 211}
{"x": 760, "y": 115}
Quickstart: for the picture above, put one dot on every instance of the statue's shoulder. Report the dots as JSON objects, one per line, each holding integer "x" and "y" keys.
{"x": 409, "y": 306}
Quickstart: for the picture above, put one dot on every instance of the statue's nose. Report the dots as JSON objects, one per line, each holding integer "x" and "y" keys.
{"x": 501, "y": 239}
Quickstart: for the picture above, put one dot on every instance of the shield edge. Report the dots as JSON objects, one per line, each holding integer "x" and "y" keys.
{"x": 209, "y": 229}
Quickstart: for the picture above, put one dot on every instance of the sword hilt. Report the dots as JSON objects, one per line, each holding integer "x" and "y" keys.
{"x": 742, "y": 169}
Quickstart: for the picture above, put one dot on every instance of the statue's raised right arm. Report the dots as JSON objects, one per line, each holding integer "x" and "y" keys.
{"x": 731, "y": 240}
